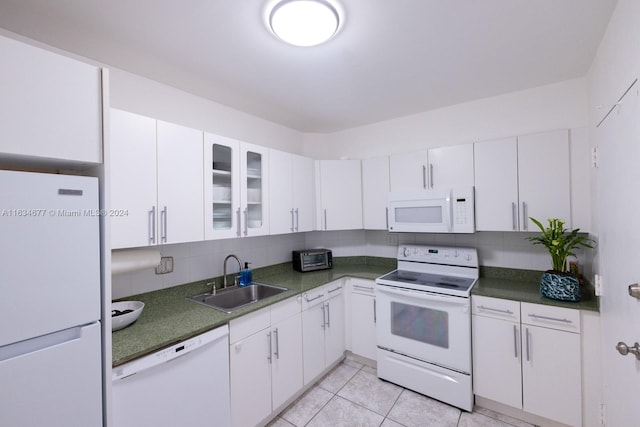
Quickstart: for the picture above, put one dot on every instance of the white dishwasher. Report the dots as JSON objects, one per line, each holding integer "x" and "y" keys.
{"x": 185, "y": 384}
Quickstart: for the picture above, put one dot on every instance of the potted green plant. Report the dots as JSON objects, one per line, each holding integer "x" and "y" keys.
{"x": 560, "y": 283}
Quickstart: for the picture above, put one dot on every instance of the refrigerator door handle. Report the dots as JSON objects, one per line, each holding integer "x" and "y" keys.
{"x": 39, "y": 343}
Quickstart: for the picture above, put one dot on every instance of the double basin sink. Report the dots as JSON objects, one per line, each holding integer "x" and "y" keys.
{"x": 230, "y": 300}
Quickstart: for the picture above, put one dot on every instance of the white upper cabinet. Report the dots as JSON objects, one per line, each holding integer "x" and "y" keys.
{"x": 339, "y": 194}
{"x": 51, "y": 105}
{"x": 291, "y": 189}
{"x": 235, "y": 188}
{"x": 221, "y": 187}
{"x": 496, "y": 185}
{"x": 518, "y": 178}
{"x": 408, "y": 171}
{"x": 254, "y": 189}
{"x": 375, "y": 192}
{"x": 544, "y": 178}
{"x": 450, "y": 167}
{"x": 180, "y": 203}
{"x": 133, "y": 179}
{"x": 156, "y": 177}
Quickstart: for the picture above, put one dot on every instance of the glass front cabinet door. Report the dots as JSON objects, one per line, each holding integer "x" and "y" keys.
{"x": 234, "y": 175}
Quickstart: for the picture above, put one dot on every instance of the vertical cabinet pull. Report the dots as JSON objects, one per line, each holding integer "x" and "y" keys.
{"x": 297, "y": 220}
{"x": 328, "y": 316}
{"x": 269, "y": 354}
{"x": 239, "y": 222}
{"x": 375, "y": 320}
{"x": 163, "y": 217}
{"x": 386, "y": 217}
{"x": 324, "y": 317}
{"x": 515, "y": 341}
{"x": 527, "y": 344}
{"x": 430, "y": 175}
{"x": 514, "y": 216}
{"x": 292, "y": 222}
{"x": 325, "y": 219}
{"x": 525, "y": 224}
{"x": 277, "y": 350}
{"x": 152, "y": 225}
{"x": 424, "y": 177}
{"x": 246, "y": 222}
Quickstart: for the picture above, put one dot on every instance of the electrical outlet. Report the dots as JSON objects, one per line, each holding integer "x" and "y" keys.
{"x": 594, "y": 157}
{"x": 597, "y": 284}
{"x": 165, "y": 266}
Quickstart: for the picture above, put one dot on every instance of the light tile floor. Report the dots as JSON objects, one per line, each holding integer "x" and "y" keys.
{"x": 352, "y": 395}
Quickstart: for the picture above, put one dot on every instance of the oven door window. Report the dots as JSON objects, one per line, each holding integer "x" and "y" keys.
{"x": 423, "y": 324}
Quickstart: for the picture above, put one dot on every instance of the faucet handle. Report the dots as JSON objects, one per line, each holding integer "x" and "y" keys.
{"x": 236, "y": 280}
{"x": 213, "y": 287}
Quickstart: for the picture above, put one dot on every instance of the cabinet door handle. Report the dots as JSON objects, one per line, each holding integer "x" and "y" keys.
{"x": 246, "y": 222}
{"x": 277, "y": 350}
{"x": 152, "y": 225}
{"x": 292, "y": 222}
{"x": 527, "y": 343}
{"x": 525, "y": 224}
{"x": 297, "y": 220}
{"x": 497, "y": 310}
{"x": 306, "y": 297}
{"x": 515, "y": 341}
{"x": 430, "y": 175}
{"x": 328, "y": 316}
{"x": 269, "y": 354}
{"x": 163, "y": 216}
{"x": 514, "y": 216}
{"x": 386, "y": 217}
{"x": 368, "y": 288}
{"x": 324, "y": 317}
{"x": 555, "y": 319}
{"x": 375, "y": 319}
{"x": 424, "y": 177}
{"x": 334, "y": 289}
{"x": 325, "y": 219}
{"x": 238, "y": 232}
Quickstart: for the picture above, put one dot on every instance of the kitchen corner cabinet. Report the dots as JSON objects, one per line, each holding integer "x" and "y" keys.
{"x": 265, "y": 361}
{"x": 235, "y": 188}
{"x": 338, "y": 194}
{"x": 518, "y": 178}
{"x": 152, "y": 165}
{"x": 291, "y": 190}
{"x": 323, "y": 329}
{"x": 363, "y": 318}
{"x": 528, "y": 356}
{"x": 51, "y": 105}
{"x": 375, "y": 193}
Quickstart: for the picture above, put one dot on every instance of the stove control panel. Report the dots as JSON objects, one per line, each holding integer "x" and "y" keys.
{"x": 467, "y": 257}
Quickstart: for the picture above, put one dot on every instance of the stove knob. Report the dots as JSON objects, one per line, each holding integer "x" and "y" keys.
{"x": 467, "y": 257}
{"x": 405, "y": 252}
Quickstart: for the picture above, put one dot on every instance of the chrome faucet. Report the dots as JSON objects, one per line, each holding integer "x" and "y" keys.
{"x": 224, "y": 269}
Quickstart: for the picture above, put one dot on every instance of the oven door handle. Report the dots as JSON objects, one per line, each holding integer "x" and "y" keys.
{"x": 427, "y": 296}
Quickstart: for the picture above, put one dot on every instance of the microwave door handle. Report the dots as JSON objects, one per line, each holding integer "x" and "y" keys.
{"x": 449, "y": 212}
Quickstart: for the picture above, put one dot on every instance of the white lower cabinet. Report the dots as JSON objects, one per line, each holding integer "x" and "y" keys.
{"x": 363, "y": 318}
{"x": 265, "y": 361}
{"x": 528, "y": 356}
{"x": 323, "y": 331}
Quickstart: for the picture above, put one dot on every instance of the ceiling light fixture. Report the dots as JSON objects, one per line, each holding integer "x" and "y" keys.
{"x": 304, "y": 22}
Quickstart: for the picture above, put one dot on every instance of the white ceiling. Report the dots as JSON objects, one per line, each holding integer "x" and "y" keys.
{"x": 392, "y": 58}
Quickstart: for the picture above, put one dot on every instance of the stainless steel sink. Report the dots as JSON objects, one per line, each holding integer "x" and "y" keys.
{"x": 230, "y": 300}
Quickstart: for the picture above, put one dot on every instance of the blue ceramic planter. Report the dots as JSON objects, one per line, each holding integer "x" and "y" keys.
{"x": 560, "y": 286}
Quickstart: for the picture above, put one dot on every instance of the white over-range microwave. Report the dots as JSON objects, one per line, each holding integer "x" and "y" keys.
{"x": 432, "y": 211}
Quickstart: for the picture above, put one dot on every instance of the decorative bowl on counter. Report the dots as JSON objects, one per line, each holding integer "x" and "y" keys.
{"x": 124, "y": 313}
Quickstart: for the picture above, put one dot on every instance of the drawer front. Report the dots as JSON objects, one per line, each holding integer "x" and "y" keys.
{"x": 496, "y": 308}
{"x": 564, "y": 319}
{"x": 334, "y": 288}
{"x": 313, "y": 297}
{"x": 249, "y": 324}
{"x": 285, "y": 309}
{"x": 361, "y": 286}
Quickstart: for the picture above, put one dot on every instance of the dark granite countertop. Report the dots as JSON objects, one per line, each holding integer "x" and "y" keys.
{"x": 168, "y": 317}
{"x": 524, "y": 285}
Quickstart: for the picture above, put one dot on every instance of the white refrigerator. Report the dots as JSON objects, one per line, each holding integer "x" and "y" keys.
{"x": 50, "y": 339}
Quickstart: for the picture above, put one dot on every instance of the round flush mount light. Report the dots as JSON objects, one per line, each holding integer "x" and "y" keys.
{"x": 304, "y": 22}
